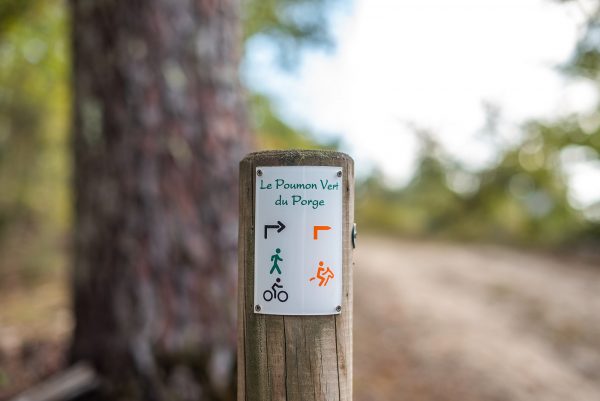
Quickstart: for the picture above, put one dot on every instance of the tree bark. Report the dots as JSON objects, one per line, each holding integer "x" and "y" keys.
{"x": 159, "y": 128}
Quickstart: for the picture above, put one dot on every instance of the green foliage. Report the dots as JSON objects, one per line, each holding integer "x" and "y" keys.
{"x": 34, "y": 102}
{"x": 273, "y": 133}
{"x": 11, "y": 11}
{"x": 289, "y": 24}
{"x": 522, "y": 199}
{"x": 585, "y": 61}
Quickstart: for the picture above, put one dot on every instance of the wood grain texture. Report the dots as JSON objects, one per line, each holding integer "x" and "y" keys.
{"x": 293, "y": 358}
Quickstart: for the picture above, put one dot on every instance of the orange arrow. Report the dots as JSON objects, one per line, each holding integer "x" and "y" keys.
{"x": 319, "y": 228}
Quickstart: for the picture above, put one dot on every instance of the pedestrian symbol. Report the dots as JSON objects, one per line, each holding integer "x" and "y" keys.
{"x": 323, "y": 274}
{"x": 276, "y": 258}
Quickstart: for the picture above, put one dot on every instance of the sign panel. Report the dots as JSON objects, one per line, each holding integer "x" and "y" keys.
{"x": 298, "y": 240}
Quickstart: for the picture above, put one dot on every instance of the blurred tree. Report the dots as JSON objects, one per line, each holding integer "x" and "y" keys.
{"x": 159, "y": 129}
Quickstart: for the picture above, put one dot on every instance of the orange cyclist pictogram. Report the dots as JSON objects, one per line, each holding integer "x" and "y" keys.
{"x": 323, "y": 274}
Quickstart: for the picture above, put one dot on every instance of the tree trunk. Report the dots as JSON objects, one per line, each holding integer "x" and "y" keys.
{"x": 159, "y": 130}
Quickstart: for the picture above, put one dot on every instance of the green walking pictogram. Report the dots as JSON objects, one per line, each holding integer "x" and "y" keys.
{"x": 276, "y": 258}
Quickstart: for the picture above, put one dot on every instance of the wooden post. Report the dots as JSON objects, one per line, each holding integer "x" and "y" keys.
{"x": 293, "y": 358}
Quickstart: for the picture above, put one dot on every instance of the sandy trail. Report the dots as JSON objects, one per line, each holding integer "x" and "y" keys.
{"x": 449, "y": 322}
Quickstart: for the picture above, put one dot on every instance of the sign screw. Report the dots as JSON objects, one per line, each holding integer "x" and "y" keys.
{"x": 259, "y": 173}
{"x": 339, "y": 173}
{"x": 338, "y": 308}
{"x": 257, "y": 308}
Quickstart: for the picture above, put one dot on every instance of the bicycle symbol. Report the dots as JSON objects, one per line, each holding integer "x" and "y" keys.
{"x": 281, "y": 296}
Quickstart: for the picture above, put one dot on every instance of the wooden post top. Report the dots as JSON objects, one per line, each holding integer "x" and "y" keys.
{"x": 298, "y": 157}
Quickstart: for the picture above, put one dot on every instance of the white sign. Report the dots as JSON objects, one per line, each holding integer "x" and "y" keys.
{"x": 298, "y": 240}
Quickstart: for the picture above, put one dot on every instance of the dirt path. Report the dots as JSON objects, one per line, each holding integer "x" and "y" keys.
{"x": 446, "y": 322}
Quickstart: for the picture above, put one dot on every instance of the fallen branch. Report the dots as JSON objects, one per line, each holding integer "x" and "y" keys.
{"x": 66, "y": 385}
